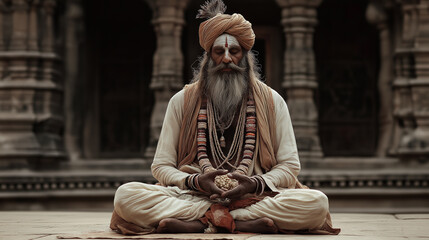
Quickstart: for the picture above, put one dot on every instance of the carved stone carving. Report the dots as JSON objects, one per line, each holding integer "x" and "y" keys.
{"x": 419, "y": 142}
{"x": 299, "y": 19}
{"x": 167, "y": 79}
{"x": 411, "y": 83}
{"x": 31, "y": 115}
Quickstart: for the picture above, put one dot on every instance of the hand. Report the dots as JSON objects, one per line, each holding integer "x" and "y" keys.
{"x": 206, "y": 182}
{"x": 245, "y": 185}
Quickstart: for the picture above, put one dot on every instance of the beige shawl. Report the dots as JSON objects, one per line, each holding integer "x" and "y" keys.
{"x": 265, "y": 118}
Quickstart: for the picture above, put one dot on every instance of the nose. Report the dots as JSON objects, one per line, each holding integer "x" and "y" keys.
{"x": 226, "y": 58}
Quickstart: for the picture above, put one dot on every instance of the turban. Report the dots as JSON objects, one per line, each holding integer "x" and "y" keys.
{"x": 234, "y": 25}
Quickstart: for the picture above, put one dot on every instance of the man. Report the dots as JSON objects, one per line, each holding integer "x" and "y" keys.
{"x": 226, "y": 158}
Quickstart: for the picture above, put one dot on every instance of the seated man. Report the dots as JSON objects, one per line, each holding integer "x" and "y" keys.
{"x": 226, "y": 158}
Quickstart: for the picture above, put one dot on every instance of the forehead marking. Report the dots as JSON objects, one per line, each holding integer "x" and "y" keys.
{"x": 226, "y": 41}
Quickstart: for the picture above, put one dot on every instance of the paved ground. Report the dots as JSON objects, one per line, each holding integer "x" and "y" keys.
{"x": 49, "y": 225}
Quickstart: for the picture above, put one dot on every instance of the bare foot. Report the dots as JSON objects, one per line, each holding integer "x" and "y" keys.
{"x": 261, "y": 225}
{"x": 172, "y": 225}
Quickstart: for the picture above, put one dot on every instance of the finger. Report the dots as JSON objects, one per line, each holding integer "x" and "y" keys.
{"x": 217, "y": 172}
{"x": 216, "y": 190}
{"x": 233, "y": 193}
{"x": 238, "y": 177}
{"x": 214, "y": 196}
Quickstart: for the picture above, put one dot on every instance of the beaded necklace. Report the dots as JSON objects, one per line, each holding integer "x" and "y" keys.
{"x": 222, "y": 127}
{"x": 206, "y": 120}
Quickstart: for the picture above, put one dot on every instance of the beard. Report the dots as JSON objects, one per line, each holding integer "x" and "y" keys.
{"x": 226, "y": 89}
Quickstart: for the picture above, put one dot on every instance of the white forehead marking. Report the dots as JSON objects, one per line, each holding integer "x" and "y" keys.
{"x": 226, "y": 40}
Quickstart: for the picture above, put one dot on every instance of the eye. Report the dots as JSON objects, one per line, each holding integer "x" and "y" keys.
{"x": 219, "y": 51}
{"x": 234, "y": 51}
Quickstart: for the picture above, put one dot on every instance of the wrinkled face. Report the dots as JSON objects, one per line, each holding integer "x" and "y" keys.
{"x": 226, "y": 49}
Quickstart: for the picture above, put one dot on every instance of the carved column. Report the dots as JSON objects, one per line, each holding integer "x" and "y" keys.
{"x": 412, "y": 81}
{"x": 32, "y": 31}
{"x": 376, "y": 15}
{"x": 73, "y": 84}
{"x": 420, "y": 84}
{"x": 20, "y": 24}
{"x": 299, "y": 18}
{"x": 167, "y": 79}
{"x": 31, "y": 118}
{"x": 404, "y": 71}
{"x": 2, "y": 13}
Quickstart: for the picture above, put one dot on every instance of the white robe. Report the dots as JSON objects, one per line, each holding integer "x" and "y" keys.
{"x": 292, "y": 209}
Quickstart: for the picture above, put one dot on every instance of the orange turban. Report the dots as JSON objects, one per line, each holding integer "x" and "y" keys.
{"x": 234, "y": 25}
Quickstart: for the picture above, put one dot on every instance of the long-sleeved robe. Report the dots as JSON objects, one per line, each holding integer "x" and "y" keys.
{"x": 291, "y": 209}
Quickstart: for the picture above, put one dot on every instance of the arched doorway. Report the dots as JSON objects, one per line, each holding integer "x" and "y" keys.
{"x": 347, "y": 58}
{"x": 119, "y": 46}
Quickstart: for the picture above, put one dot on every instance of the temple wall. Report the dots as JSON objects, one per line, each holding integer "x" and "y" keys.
{"x": 81, "y": 108}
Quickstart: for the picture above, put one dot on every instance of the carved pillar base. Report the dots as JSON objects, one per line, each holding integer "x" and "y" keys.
{"x": 415, "y": 139}
{"x": 304, "y": 118}
{"x": 30, "y": 110}
{"x": 403, "y": 114}
{"x": 162, "y": 96}
{"x": 416, "y": 143}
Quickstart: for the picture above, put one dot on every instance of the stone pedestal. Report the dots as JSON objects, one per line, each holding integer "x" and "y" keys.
{"x": 31, "y": 115}
{"x": 167, "y": 79}
{"x": 299, "y": 17}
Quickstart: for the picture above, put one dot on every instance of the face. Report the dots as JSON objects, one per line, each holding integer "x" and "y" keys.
{"x": 226, "y": 49}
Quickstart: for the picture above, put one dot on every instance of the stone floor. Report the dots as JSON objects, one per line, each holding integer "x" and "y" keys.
{"x": 49, "y": 225}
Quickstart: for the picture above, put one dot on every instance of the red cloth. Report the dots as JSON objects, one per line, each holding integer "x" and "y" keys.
{"x": 219, "y": 215}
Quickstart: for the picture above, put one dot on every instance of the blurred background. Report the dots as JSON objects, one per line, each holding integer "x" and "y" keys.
{"x": 84, "y": 86}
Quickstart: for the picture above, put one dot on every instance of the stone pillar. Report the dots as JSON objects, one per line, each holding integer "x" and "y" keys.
{"x": 299, "y": 18}
{"x": 31, "y": 118}
{"x": 376, "y": 15}
{"x": 73, "y": 84}
{"x": 20, "y": 24}
{"x": 167, "y": 79}
{"x": 412, "y": 81}
{"x": 5, "y": 10}
{"x": 32, "y": 27}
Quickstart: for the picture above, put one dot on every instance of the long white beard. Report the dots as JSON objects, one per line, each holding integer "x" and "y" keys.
{"x": 226, "y": 90}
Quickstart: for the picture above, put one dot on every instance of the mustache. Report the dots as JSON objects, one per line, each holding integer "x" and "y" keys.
{"x": 222, "y": 66}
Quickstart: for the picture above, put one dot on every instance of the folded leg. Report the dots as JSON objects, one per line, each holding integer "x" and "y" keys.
{"x": 291, "y": 209}
{"x": 146, "y": 205}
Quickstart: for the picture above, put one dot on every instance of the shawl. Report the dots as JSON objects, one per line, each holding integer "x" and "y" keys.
{"x": 265, "y": 131}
